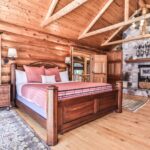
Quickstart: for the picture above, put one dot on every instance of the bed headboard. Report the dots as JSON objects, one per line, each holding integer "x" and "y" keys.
{"x": 46, "y": 64}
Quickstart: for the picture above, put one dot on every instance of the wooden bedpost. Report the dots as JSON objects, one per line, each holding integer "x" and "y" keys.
{"x": 13, "y": 84}
{"x": 120, "y": 93}
{"x": 52, "y": 116}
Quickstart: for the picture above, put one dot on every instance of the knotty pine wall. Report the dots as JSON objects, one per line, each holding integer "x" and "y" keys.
{"x": 33, "y": 45}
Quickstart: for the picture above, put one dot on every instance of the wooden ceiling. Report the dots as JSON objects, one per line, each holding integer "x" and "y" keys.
{"x": 31, "y": 13}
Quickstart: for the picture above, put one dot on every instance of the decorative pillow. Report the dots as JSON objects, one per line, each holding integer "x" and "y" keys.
{"x": 20, "y": 76}
{"x": 53, "y": 71}
{"x": 48, "y": 79}
{"x": 64, "y": 76}
{"x": 34, "y": 73}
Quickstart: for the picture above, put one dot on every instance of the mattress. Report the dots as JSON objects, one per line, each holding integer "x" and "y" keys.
{"x": 32, "y": 106}
{"x": 35, "y": 107}
{"x": 37, "y": 93}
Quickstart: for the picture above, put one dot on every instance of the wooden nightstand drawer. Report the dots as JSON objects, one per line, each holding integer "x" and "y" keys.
{"x": 4, "y": 95}
{"x": 4, "y": 103}
{"x": 4, "y": 89}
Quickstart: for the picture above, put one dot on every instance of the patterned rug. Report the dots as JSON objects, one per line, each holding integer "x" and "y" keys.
{"x": 133, "y": 105}
{"x": 15, "y": 134}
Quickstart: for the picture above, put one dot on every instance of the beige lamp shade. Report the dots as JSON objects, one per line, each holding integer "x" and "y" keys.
{"x": 67, "y": 60}
{"x": 12, "y": 53}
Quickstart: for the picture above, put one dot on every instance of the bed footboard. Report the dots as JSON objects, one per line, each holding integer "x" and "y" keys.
{"x": 64, "y": 115}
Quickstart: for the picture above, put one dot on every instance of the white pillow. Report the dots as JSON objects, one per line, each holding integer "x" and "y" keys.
{"x": 64, "y": 76}
{"x": 21, "y": 77}
{"x": 48, "y": 79}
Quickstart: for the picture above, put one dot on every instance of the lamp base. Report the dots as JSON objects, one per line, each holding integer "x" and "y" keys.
{"x": 7, "y": 59}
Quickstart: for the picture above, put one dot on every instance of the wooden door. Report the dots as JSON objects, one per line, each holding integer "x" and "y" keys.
{"x": 99, "y": 68}
{"x": 114, "y": 66}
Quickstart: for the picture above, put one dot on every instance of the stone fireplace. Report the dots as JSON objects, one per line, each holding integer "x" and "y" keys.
{"x": 136, "y": 74}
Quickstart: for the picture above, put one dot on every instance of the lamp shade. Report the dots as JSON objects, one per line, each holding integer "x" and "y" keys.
{"x": 12, "y": 53}
{"x": 68, "y": 60}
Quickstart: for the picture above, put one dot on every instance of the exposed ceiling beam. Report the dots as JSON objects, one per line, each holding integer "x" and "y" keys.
{"x": 67, "y": 9}
{"x": 111, "y": 27}
{"x": 126, "y": 10}
{"x": 118, "y": 30}
{"x": 142, "y": 3}
{"x": 112, "y": 36}
{"x": 51, "y": 8}
{"x": 127, "y": 40}
{"x": 105, "y": 6}
{"x": 148, "y": 6}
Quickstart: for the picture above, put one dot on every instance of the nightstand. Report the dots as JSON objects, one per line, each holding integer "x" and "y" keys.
{"x": 5, "y": 95}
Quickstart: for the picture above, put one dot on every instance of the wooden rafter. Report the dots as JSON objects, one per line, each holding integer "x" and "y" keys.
{"x": 112, "y": 36}
{"x": 148, "y": 6}
{"x": 111, "y": 27}
{"x": 142, "y": 3}
{"x": 127, "y": 40}
{"x": 67, "y": 9}
{"x": 106, "y": 4}
{"x": 51, "y": 9}
{"x": 119, "y": 29}
{"x": 126, "y": 10}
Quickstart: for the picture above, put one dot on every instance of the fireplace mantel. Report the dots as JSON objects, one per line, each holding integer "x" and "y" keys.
{"x": 140, "y": 60}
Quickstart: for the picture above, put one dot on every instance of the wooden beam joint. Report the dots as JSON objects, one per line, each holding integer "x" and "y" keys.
{"x": 64, "y": 11}
{"x": 126, "y": 10}
{"x": 106, "y": 5}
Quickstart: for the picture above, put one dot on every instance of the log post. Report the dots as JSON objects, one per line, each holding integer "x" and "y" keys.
{"x": 120, "y": 93}
{"x": 13, "y": 84}
{"x": 52, "y": 116}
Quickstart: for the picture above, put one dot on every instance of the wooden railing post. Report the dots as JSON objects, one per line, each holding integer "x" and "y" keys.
{"x": 120, "y": 93}
{"x": 52, "y": 116}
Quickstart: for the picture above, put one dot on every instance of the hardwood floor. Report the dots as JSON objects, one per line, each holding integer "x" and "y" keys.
{"x": 126, "y": 131}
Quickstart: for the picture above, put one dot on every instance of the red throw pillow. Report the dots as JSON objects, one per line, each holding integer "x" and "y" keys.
{"x": 53, "y": 71}
{"x": 34, "y": 73}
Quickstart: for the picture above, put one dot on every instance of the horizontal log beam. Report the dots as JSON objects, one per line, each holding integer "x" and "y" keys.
{"x": 32, "y": 42}
{"x": 7, "y": 27}
{"x": 32, "y": 33}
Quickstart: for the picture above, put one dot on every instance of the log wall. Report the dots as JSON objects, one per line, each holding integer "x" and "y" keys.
{"x": 33, "y": 45}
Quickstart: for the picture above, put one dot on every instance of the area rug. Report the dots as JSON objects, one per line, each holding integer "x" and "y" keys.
{"x": 15, "y": 134}
{"x": 133, "y": 105}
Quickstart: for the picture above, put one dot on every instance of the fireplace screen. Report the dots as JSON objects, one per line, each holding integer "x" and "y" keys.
{"x": 145, "y": 72}
{"x": 144, "y": 76}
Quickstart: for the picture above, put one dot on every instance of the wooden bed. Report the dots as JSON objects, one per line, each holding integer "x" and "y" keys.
{"x": 68, "y": 114}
